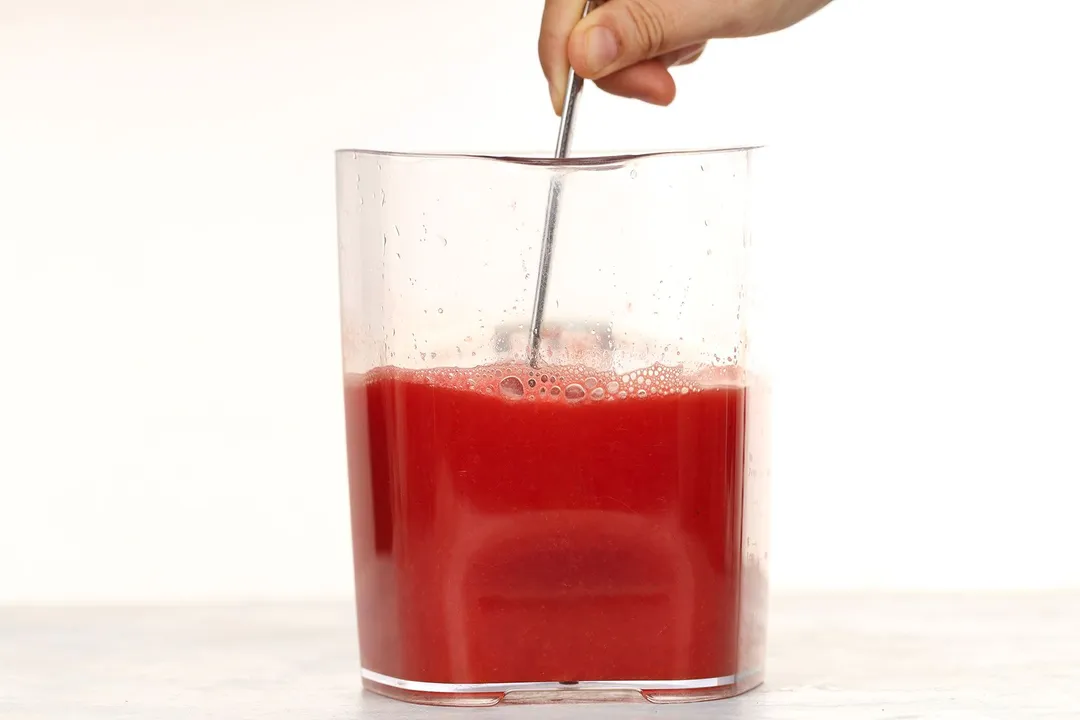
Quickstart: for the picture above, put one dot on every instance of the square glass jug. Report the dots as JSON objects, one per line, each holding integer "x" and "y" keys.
{"x": 592, "y": 526}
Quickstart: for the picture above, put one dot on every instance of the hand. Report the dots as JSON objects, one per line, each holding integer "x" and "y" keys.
{"x": 628, "y": 46}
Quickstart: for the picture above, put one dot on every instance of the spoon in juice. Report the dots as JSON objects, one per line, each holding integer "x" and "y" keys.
{"x": 574, "y": 84}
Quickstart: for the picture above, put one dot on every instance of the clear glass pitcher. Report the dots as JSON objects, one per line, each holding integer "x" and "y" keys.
{"x": 594, "y": 527}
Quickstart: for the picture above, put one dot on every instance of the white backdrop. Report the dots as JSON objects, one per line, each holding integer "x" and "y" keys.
{"x": 170, "y": 414}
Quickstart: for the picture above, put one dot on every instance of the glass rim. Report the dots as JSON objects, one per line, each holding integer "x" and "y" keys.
{"x": 549, "y": 162}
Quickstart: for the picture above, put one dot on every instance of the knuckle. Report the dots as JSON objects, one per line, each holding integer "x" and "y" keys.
{"x": 649, "y": 22}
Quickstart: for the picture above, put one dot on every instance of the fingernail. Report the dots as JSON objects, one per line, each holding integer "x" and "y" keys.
{"x": 556, "y": 100}
{"x": 601, "y": 48}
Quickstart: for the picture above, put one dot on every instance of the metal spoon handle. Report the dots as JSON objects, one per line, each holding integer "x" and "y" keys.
{"x": 574, "y": 83}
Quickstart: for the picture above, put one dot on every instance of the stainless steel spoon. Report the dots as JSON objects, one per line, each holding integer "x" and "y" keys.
{"x": 551, "y": 220}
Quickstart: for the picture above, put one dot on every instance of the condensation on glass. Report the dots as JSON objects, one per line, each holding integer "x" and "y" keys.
{"x": 591, "y": 529}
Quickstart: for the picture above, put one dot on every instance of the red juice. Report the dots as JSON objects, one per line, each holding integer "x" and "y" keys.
{"x": 557, "y": 525}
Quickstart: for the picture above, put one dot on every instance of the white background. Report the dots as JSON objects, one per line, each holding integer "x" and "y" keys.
{"x": 170, "y": 414}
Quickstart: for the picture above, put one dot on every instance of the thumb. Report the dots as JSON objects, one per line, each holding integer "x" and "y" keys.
{"x": 621, "y": 33}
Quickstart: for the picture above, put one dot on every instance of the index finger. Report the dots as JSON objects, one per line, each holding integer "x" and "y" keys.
{"x": 560, "y": 18}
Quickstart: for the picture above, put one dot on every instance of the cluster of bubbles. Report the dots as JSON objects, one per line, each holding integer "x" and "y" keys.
{"x": 566, "y": 384}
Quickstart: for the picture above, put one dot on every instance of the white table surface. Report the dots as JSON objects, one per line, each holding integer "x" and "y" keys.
{"x": 888, "y": 657}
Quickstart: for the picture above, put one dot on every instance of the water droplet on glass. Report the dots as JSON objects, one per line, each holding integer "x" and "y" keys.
{"x": 440, "y": 311}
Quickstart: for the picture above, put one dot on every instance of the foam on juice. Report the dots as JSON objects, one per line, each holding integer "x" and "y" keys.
{"x": 572, "y": 385}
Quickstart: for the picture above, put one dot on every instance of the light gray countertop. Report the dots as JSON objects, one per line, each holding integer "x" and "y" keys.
{"x": 962, "y": 657}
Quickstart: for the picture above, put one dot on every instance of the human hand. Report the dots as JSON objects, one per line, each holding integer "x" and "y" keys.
{"x": 628, "y": 46}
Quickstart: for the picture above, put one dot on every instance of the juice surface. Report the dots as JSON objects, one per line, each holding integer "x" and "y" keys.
{"x": 517, "y": 525}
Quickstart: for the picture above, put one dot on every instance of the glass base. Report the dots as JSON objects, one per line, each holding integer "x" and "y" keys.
{"x": 589, "y": 691}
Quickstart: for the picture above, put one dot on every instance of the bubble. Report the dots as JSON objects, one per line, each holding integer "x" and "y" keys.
{"x": 622, "y": 395}
{"x": 512, "y": 388}
{"x": 532, "y": 382}
{"x": 641, "y": 393}
{"x": 613, "y": 387}
{"x": 597, "y": 394}
{"x": 543, "y": 378}
{"x": 590, "y": 383}
{"x": 555, "y": 391}
{"x": 575, "y": 392}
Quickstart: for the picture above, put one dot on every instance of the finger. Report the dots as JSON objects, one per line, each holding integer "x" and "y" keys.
{"x": 685, "y": 56}
{"x": 560, "y": 17}
{"x": 621, "y": 33}
{"x": 786, "y": 14}
{"x": 648, "y": 81}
